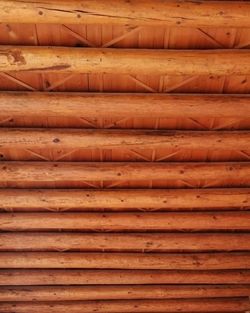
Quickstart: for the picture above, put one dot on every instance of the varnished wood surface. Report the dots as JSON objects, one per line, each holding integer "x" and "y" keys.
{"x": 114, "y": 292}
{"x": 37, "y": 277}
{"x": 35, "y": 138}
{"x": 124, "y": 182}
{"x": 170, "y": 13}
{"x": 124, "y": 61}
{"x": 115, "y": 105}
{"x": 167, "y": 261}
{"x": 176, "y": 305}
{"x": 128, "y": 242}
{"x": 122, "y": 200}
{"x": 93, "y": 171}
{"x": 170, "y": 221}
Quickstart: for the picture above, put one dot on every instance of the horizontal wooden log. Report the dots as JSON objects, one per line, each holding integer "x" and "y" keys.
{"x": 28, "y": 138}
{"x": 168, "y": 261}
{"x": 125, "y": 221}
{"x": 15, "y": 172}
{"x": 124, "y": 61}
{"x": 92, "y": 105}
{"x": 140, "y": 306}
{"x": 123, "y": 200}
{"x": 39, "y": 277}
{"x": 124, "y": 242}
{"x": 133, "y": 13}
{"x": 114, "y": 292}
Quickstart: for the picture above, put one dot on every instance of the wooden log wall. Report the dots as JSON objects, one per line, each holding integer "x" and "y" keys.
{"x": 124, "y": 61}
{"x": 170, "y": 13}
{"x": 115, "y": 105}
{"x": 36, "y": 138}
{"x": 80, "y": 233}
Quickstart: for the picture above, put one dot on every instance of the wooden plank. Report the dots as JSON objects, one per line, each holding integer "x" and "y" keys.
{"x": 124, "y": 199}
{"x": 42, "y": 138}
{"x": 127, "y": 306}
{"x": 15, "y": 172}
{"x": 91, "y": 105}
{"x": 54, "y": 277}
{"x": 125, "y": 221}
{"x": 116, "y": 292}
{"x": 170, "y": 261}
{"x": 124, "y": 61}
{"x": 162, "y": 13}
{"x": 160, "y": 242}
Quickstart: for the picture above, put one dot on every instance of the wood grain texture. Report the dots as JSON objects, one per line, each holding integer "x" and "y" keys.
{"x": 142, "y": 306}
{"x": 124, "y": 199}
{"x": 124, "y": 61}
{"x": 132, "y": 13}
{"x": 44, "y": 138}
{"x": 124, "y": 237}
{"x": 129, "y": 292}
{"x": 123, "y": 104}
{"x": 33, "y": 277}
{"x": 14, "y": 172}
{"x": 125, "y": 221}
{"x": 146, "y": 242}
{"x": 169, "y": 261}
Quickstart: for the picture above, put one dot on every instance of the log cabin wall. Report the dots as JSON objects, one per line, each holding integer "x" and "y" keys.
{"x": 124, "y": 156}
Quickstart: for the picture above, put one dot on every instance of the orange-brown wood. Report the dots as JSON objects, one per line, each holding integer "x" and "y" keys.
{"x": 131, "y": 13}
{"x": 123, "y": 277}
{"x": 138, "y": 237}
{"x": 35, "y": 138}
{"x": 146, "y": 242}
{"x": 142, "y": 306}
{"x": 94, "y": 105}
{"x": 124, "y": 199}
{"x": 124, "y": 61}
{"x": 14, "y": 172}
{"x": 78, "y": 293}
{"x": 71, "y": 260}
{"x": 125, "y": 221}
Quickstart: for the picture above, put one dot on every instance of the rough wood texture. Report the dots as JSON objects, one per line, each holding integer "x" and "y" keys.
{"x": 140, "y": 306}
{"x": 124, "y": 200}
{"x": 94, "y": 171}
{"x": 94, "y": 105}
{"x": 124, "y": 61}
{"x": 125, "y": 221}
{"x": 131, "y": 13}
{"x": 71, "y": 260}
{"x": 38, "y": 138}
{"x": 124, "y": 237}
{"x": 122, "y": 277}
{"x": 78, "y": 293}
{"x": 146, "y": 242}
